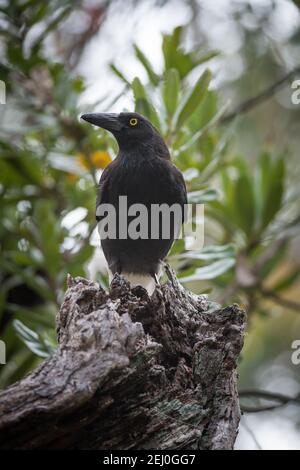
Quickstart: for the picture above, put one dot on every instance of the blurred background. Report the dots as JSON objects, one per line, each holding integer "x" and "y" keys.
{"x": 216, "y": 79}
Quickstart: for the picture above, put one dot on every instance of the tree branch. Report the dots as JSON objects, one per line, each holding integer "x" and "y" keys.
{"x": 290, "y": 304}
{"x": 251, "y": 103}
{"x": 131, "y": 372}
{"x": 281, "y": 400}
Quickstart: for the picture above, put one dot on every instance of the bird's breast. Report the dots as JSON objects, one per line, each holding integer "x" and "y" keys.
{"x": 146, "y": 181}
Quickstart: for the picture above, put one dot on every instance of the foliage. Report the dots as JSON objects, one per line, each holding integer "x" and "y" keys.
{"x": 50, "y": 164}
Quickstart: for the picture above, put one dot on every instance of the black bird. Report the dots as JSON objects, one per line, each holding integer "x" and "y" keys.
{"x": 144, "y": 173}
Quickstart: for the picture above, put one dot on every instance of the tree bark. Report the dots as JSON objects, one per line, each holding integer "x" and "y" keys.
{"x": 131, "y": 372}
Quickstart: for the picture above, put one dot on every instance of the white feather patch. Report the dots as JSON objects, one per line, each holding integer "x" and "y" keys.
{"x": 144, "y": 280}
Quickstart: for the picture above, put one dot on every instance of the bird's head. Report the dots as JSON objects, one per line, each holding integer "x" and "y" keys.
{"x": 131, "y": 130}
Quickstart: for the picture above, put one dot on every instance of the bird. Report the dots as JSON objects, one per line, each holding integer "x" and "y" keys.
{"x": 144, "y": 173}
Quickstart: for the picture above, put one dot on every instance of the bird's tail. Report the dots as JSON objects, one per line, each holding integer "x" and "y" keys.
{"x": 135, "y": 279}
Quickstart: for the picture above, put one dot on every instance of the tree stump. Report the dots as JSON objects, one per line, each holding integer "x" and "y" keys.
{"x": 131, "y": 372}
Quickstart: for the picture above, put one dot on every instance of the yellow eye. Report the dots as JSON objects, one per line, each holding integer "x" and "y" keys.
{"x": 133, "y": 121}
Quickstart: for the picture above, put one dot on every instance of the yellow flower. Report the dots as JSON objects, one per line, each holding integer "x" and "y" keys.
{"x": 101, "y": 159}
{"x": 98, "y": 159}
{"x": 72, "y": 178}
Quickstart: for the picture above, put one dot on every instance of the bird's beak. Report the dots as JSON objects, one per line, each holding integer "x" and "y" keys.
{"x": 108, "y": 121}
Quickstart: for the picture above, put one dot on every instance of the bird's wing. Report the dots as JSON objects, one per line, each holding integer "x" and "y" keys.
{"x": 181, "y": 189}
{"x": 103, "y": 190}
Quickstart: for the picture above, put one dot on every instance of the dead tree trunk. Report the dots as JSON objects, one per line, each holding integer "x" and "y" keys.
{"x": 131, "y": 373}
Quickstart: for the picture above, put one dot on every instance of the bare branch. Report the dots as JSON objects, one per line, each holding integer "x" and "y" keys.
{"x": 290, "y": 304}
{"x": 131, "y": 372}
{"x": 279, "y": 399}
{"x": 251, "y": 103}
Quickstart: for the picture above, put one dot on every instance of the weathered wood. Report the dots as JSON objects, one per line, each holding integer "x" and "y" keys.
{"x": 131, "y": 373}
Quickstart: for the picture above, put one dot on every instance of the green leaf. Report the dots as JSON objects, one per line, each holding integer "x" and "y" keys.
{"x": 153, "y": 77}
{"x": 244, "y": 208}
{"x": 9, "y": 175}
{"x": 31, "y": 278}
{"x": 200, "y": 197}
{"x": 143, "y": 104}
{"x": 21, "y": 361}
{"x": 77, "y": 261}
{"x": 207, "y": 112}
{"x": 190, "y": 174}
{"x": 287, "y": 281}
{"x": 206, "y": 57}
{"x": 48, "y": 235}
{"x": 210, "y": 253}
{"x": 65, "y": 163}
{"x": 227, "y": 186}
{"x": 119, "y": 74}
{"x": 171, "y": 90}
{"x": 138, "y": 89}
{"x": 177, "y": 58}
{"x": 193, "y": 99}
{"x": 274, "y": 193}
{"x": 201, "y": 127}
{"x": 177, "y": 247}
{"x": 272, "y": 264}
{"x": 32, "y": 340}
{"x": 40, "y": 316}
{"x": 170, "y": 46}
{"x": 212, "y": 271}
